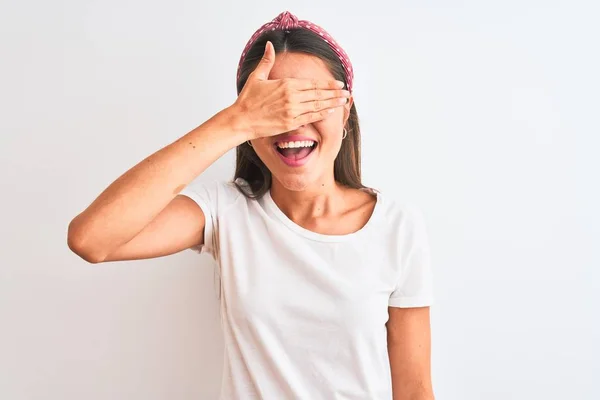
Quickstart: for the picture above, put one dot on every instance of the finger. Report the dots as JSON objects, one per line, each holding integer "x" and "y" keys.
{"x": 266, "y": 63}
{"x": 308, "y": 84}
{"x": 320, "y": 94}
{"x": 319, "y": 105}
{"x": 309, "y": 117}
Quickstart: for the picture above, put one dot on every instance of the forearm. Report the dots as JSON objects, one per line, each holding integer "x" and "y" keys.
{"x": 421, "y": 395}
{"x": 125, "y": 207}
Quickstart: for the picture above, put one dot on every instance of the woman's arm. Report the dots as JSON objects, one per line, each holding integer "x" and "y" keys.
{"x": 140, "y": 215}
{"x": 409, "y": 348}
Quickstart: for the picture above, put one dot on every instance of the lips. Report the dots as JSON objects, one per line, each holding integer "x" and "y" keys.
{"x": 295, "y": 151}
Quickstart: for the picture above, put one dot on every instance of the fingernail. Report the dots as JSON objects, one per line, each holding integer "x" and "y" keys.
{"x": 340, "y": 84}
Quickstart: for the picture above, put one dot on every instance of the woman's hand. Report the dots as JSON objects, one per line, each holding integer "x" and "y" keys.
{"x": 271, "y": 107}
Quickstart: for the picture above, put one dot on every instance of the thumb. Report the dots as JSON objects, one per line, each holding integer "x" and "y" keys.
{"x": 266, "y": 63}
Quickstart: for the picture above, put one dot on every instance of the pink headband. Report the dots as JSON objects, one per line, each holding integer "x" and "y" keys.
{"x": 287, "y": 20}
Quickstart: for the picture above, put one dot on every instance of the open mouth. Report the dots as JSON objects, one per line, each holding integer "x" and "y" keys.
{"x": 295, "y": 153}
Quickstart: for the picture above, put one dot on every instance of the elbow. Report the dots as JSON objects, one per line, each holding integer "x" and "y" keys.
{"x": 414, "y": 396}
{"x": 81, "y": 244}
{"x": 421, "y": 395}
{"x": 413, "y": 390}
{"x": 428, "y": 396}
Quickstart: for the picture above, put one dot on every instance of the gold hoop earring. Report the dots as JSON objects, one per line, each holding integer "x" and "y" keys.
{"x": 345, "y": 134}
{"x": 249, "y": 144}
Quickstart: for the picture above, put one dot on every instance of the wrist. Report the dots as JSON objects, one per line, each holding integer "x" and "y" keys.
{"x": 237, "y": 122}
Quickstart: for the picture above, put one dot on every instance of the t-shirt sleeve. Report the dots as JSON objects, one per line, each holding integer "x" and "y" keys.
{"x": 414, "y": 287}
{"x": 213, "y": 198}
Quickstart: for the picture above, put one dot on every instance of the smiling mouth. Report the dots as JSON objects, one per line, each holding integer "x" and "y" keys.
{"x": 296, "y": 151}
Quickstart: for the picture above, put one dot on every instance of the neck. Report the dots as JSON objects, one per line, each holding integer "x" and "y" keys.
{"x": 320, "y": 199}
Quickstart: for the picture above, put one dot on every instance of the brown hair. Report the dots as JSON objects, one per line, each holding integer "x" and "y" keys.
{"x": 248, "y": 165}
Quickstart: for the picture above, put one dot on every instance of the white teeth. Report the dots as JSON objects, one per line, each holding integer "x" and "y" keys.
{"x": 292, "y": 145}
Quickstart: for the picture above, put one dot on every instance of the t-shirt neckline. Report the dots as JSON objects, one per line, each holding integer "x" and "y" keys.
{"x": 274, "y": 208}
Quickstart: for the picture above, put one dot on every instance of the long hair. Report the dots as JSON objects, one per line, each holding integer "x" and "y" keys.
{"x": 248, "y": 165}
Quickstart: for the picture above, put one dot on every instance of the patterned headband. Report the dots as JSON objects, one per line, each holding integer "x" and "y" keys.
{"x": 287, "y": 20}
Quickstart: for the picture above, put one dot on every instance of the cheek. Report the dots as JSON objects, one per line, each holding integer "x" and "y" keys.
{"x": 262, "y": 147}
{"x": 331, "y": 124}
{"x": 331, "y": 135}
{"x": 262, "y": 150}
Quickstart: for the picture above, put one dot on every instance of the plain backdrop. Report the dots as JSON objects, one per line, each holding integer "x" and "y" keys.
{"x": 484, "y": 114}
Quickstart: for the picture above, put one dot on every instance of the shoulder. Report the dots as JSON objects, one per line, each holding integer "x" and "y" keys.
{"x": 399, "y": 214}
{"x": 212, "y": 187}
{"x": 216, "y": 195}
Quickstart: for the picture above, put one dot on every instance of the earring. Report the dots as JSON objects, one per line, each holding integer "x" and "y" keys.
{"x": 345, "y": 134}
{"x": 249, "y": 144}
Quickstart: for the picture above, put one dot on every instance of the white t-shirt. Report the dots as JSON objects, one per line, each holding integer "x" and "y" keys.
{"x": 304, "y": 313}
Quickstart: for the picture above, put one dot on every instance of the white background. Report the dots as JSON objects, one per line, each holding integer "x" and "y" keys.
{"x": 483, "y": 113}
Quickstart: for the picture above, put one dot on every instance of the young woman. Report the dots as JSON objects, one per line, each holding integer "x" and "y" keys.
{"x": 325, "y": 284}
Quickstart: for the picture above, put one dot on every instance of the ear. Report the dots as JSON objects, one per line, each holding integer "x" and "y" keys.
{"x": 347, "y": 108}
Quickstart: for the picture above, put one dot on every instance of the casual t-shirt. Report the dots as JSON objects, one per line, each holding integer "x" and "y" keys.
{"x": 304, "y": 313}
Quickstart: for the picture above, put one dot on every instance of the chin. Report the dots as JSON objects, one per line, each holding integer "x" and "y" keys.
{"x": 294, "y": 182}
